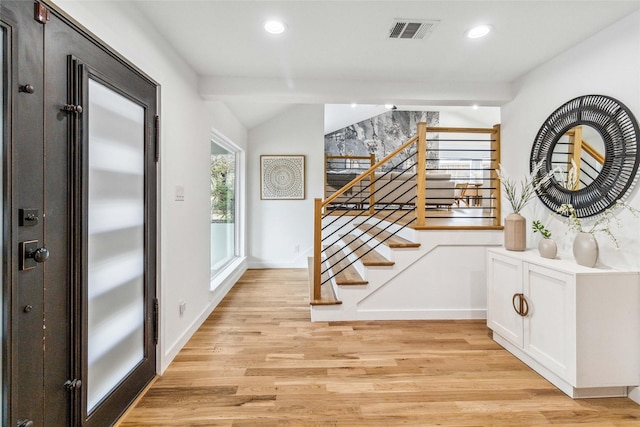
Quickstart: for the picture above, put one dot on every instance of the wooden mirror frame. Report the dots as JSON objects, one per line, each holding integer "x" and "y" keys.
{"x": 619, "y": 130}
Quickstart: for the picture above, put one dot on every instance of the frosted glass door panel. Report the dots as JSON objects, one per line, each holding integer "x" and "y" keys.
{"x": 115, "y": 241}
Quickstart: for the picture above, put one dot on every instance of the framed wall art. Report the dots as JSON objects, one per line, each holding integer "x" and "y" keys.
{"x": 282, "y": 177}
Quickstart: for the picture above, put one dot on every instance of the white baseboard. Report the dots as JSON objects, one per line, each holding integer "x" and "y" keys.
{"x": 633, "y": 393}
{"x": 427, "y": 314}
{"x": 322, "y": 313}
{"x": 300, "y": 261}
{"x": 214, "y": 299}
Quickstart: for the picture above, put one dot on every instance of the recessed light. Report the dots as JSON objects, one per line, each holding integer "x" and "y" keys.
{"x": 274, "y": 27}
{"x": 479, "y": 31}
{"x": 354, "y": 105}
{"x": 474, "y": 106}
{"x": 389, "y": 106}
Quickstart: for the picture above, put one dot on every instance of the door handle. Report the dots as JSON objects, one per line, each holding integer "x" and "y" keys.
{"x": 39, "y": 255}
{"x": 25, "y": 423}
{"x": 30, "y": 255}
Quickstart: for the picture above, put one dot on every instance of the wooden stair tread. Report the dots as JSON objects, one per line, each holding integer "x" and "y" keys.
{"x": 391, "y": 240}
{"x": 327, "y": 294}
{"x": 371, "y": 258}
{"x": 349, "y": 275}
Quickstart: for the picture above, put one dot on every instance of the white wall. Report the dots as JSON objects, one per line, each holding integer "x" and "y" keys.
{"x": 606, "y": 64}
{"x": 186, "y": 123}
{"x": 276, "y": 227}
{"x": 483, "y": 117}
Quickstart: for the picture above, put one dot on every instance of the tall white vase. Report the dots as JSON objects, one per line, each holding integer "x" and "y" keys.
{"x": 585, "y": 249}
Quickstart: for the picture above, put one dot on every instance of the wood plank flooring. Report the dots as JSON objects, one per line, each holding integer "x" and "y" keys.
{"x": 441, "y": 218}
{"x": 259, "y": 361}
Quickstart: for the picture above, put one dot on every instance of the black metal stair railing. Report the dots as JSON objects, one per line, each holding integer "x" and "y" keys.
{"x": 373, "y": 189}
{"x": 389, "y": 208}
{"x": 589, "y": 166}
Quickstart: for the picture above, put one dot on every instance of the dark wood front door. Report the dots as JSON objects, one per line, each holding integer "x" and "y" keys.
{"x": 80, "y": 209}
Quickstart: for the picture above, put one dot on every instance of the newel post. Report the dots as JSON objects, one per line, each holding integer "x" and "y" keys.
{"x": 317, "y": 250}
{"x": 421, "y": 174}
{"x": 372, "y": 185}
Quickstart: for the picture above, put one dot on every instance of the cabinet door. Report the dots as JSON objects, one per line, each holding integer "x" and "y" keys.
{"x": 504, "y": 280}
{"x": 548, "y": 335}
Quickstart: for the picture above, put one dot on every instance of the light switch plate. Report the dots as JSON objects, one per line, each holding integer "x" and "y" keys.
{"x": 179, "y": 193}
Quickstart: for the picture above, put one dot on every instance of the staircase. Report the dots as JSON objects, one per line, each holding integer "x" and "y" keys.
{"x": 346, "y": 271}
{"x": 375, "y": 261}
{"x": 415, "y": 274}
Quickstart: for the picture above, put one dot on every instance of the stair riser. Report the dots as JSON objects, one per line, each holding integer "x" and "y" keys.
{"x": 404, "y": 232}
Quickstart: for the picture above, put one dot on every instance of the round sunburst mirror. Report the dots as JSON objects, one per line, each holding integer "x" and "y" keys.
{"x": 591, "y": 145}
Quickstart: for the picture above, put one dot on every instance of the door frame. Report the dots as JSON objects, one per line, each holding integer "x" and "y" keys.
{"x": 6, "y": 111}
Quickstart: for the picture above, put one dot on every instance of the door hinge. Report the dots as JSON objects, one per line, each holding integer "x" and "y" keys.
{"x": 156, "y": 124}
{"x": 42, "y": 14}
{"x": 156, "y": 311}
{"x": 73, "y": 384}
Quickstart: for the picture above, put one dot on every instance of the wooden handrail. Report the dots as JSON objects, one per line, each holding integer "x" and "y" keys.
{"x": 372, "y": 159}
{"x": 597, "y": 156}
{"x": 369, "y": 171}
{"x": 576, "y": 146}
{"x": 571, "y": 133}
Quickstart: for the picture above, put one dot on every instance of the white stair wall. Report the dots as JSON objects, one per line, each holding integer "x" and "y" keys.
{"x": 442, "y": 279}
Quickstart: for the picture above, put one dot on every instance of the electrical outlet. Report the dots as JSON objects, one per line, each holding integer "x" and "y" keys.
{"x": 182, "y": 307}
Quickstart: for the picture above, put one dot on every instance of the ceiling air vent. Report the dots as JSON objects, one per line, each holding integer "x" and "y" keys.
{"x": 411, "y": 29}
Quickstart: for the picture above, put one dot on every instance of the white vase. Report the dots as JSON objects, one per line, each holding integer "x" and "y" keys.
{"x": 585, "y": 249}
{"x": 548, "y": 248}
{"x": 515, "y": 232}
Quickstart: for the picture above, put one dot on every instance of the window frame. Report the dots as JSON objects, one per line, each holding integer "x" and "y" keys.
{"x": 238, "y": 256}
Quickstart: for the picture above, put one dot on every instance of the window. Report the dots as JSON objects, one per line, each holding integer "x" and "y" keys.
{"x": 225, "y": 168}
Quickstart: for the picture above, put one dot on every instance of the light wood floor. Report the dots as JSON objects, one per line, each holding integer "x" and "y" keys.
{"x": 259, "y": 361}
{"x": 455, "y": 217}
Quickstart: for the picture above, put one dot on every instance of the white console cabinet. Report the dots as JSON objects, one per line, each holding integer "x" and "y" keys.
{"x": 576, "y": 326}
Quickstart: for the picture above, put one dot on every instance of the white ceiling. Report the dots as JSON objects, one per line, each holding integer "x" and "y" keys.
{"x": 338, "y": 52}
